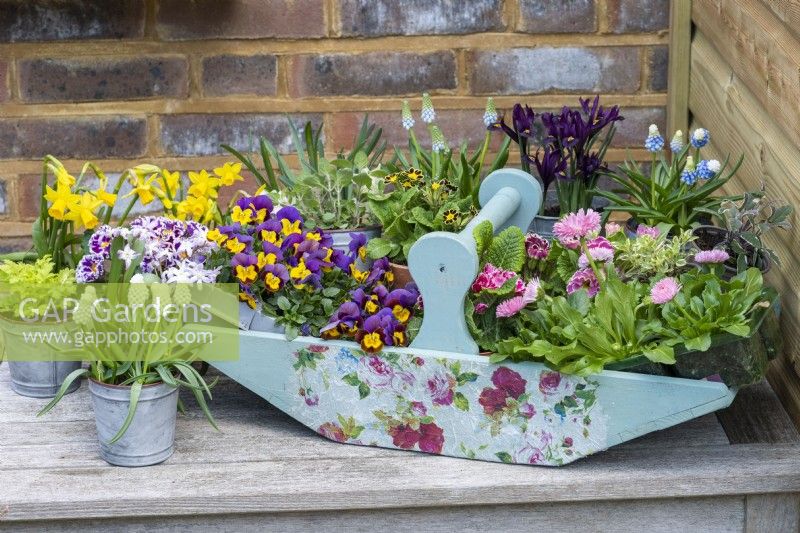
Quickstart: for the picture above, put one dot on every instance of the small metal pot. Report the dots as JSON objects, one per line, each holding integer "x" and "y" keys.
{"x": 255, "y": 320}
{"x": 42, "y": 379}
{"x": 150, "y": 439}
{"x": 543, "y": 226}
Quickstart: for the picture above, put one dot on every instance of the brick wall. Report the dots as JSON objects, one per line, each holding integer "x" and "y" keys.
{"x": 167, "y": 80}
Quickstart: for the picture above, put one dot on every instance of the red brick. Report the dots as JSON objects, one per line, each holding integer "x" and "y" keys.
{"x": 659, "y": 63}
{"x": 632, "y": 131}
{"x": 370, "y": 18}
{"x": 29, "y": 138}
{"x": 3, "y": 81}
{"x": 557, "y": 16}
{"x": 630, "y": 16}
{"x": 14, "y": 244}
{"x": 81, "y": 80}
{"x": 548, "y": 69}
{"x": 54, "y": 20}
{"x": 239, "y": 19}
{"x": 201, "y": 134}
{"x": 374, "y": 73}
{"x": 230, "y": 74}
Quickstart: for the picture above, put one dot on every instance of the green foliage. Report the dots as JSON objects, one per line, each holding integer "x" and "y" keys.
{"x": 331, "y": 193}
{"x": 577, "y": 336}
{"x": 507, "y": 250}
{"x": 295, "y": 307}
{"x": 38, "y": 280}
{"x": 661, "y": 197}
{"x": 707, "y": 305}
{"x": 747, "y": 222}
{"x": 409, "y": 204}
{"x": 647, "y": 258}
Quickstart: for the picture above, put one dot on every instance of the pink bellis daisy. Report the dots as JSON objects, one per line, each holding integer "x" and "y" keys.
{"x": 574, "y": 226}
{"x": 664, "y": 290}
{"x": 514, "y": 305}
{"x": 651, "y": 231}
{"x": 711, "y": 256}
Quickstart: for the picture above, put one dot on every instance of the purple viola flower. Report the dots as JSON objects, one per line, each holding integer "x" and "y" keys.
{"x": 379, "y": 269}
{"x": 289, "y": 242}
{"x": 274, "y": 276}
{"x": 256, "y": 203}
{"x": 357, "y": 245}
{"x": 90, "y": 268}
{"x": 341, "y": 260}
{"x": 345, "y": 319}
{"x": 289, "y": 213}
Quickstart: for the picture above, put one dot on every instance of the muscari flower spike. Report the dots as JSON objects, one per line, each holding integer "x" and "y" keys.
{"x": 654, "y": 141}
{"x": 490, "y": 114}
{"x": 438, "y": 144}
{"x": 677, "y": 143}
{"x": 700, "y": 137}
{"x": 428, "y": 114}
{"x": 689, "y": 174}
{"x": 408, "y": 119}
{"x": 707, "y": 169}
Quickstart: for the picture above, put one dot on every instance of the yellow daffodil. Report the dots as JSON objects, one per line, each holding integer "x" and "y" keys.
{"x": 401, "y": 313}
{"x": 60, "y": 198}
{"x": 246, "y": 274}
{"x": 203, "y": 184}
{"x": 242, "y": 216}
{"x": 170, "y": 182}
{"x": 62, "y": 176}
{"x": 82, "y": 211}
{"x": 144, "y": 188}
{"x": 229, "y": 173}
{"x": 195, "y": 207}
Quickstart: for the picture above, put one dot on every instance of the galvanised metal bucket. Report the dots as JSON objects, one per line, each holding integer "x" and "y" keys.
{"x": 41, "y": 379}
{"x": 341, "y": 240}
{"x": 150, "y": 438}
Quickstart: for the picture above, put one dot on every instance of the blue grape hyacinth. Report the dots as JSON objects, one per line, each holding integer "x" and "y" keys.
{"x": 707, "y": 169}
{"x": 677, "y": 143}
{"x": 654, "y": 141}
{"x": 700, "y": 137}
{"x": 689, "y": 174}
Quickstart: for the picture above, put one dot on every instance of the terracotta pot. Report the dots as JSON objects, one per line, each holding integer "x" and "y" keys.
{"x": 402, "y": 275}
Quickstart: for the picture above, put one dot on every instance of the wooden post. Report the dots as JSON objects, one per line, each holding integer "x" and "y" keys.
{"x": 680, "y": 41}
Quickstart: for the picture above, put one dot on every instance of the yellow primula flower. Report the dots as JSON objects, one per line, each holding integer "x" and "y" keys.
{"x": 203, "y": 184}
{"x": 289, "y": 228}
{"x": 242, "y": 216}
{"x": 82, "y": 211}
{"x": 60, "y": 198}
{"x": 229, "y": 173}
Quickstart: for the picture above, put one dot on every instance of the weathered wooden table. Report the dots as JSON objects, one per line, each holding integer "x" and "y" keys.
{"x": 739, "y": 470}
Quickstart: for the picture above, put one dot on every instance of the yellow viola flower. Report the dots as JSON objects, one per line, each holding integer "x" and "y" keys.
{"x": 248, "y": 298}
{"x": 389, "y": 276}
{"x": 242, "y": 216}
{"x": 144, "y": 188}
{"x": 216, "y": 236}
{"x": 358, "y": 275}
{"x": 271, "y": 237}
{"x": 229, "y": 173}
{"x": 314, "y": 236}
{"x": 289, "y": 228}
{"x": 203, "y": 184}
{"x": 272, "y": 282}
{"x": 372, "y": 342}
{"x": 372, "y": 304}
{"x": 234, "y": 246}
{"x": 401, "y": 313}
{"x": 266, "y": 259}
{"x": 81, "y": 211}
{"x": 399, "y": 338}
{"x": 299, "y": 272}
{"x": 59, "y": 198}
{"x": 246, "y": 274}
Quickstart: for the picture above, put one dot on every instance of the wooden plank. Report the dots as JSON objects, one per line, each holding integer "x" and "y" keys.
{"x": 680, "y": 36}
{"x": 764, "y": 54}
{"x": 757, "y": 415}
{"x": 394, "y": 481}
{"x": 718, "y": 98}
{"x": 782, "y": 375}
{"x": 788, "y": 11}
{"x": 769, "y": 513}
{"x": 709, "y": 515}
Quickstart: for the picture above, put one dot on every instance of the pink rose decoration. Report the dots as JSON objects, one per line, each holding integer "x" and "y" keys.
{"x": 492, "y": 400}
{"x": 431, "y": 438}
{"x": 527, "y": 410}
{"x": 549, "y": 382}
{"x": 419, "y": 409}
{"x": 376, "y": 372}
{"x": 404, "y": 436}
{"x": 440, "y": 387}
{"x": 311, "y": 401}
{"x": 529, "y": 455}
{"x": 567, "y": 442}
{"x": 509, "y": 381}
{"x": 332, "y": 431}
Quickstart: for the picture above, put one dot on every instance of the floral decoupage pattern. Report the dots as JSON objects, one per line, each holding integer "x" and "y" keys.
{"x": 448, "y": 407}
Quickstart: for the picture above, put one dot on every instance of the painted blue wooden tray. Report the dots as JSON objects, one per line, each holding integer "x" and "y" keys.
{"x": 439, "y": 396}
